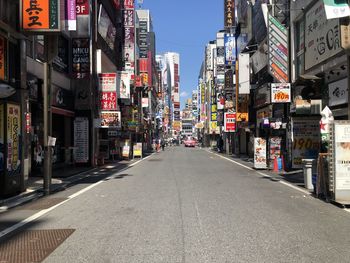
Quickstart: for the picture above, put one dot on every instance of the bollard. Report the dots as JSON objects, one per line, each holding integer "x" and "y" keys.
{"x": 307, "y": 168}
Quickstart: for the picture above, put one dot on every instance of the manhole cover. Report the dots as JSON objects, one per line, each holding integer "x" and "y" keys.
{"x": 32, "y": 245}
{"x": 42, "y": 203}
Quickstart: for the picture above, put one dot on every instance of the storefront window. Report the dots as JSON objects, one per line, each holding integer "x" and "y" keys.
{"x": 9, "y": 12}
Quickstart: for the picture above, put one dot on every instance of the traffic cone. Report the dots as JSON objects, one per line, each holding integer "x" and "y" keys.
{"x": 275, "y": 165}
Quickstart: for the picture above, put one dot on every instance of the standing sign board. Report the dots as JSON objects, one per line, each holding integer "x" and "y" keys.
{"x": 340, "y": 161}
{"x": 230, "y": 122}
{"x": 260, "y": 161}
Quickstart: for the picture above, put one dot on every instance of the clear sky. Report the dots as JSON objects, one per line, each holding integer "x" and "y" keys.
{"x": 185, "y": 27}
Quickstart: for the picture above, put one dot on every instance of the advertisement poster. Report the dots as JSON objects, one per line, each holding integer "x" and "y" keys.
{"x": 280, "y": 92}
{"x": 305, "y": 140}
{"x": 40, "y": 15}
{"x": 3, "y": 59}
{"x": 13, "y": 137}
{"x": 81, "y": 140}
{"x": 230, "y": 122}
{"x": 106, "y": 28}
{"x": 123, "y": 85}
{"x": 260, "y": 161}
{"x": 341, "y": 136}
{"x": 110, "y": 119}
{"x": 108, "y": 91}
{"x": 275, "y": 148}
{"x": 126, "y": 151}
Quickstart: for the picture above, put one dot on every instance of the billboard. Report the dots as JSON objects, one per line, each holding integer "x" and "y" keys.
{"x": 40, "y": 15}
{"x": 278, "y": 50}
{"x": 80, "y": 58}
{"x": 230, "y": 122}
{"x": 123, "y": 84}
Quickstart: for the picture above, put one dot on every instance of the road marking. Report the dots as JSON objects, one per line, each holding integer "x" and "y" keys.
{"x": 45, "y": 211}
{"x": 263, "y": 174}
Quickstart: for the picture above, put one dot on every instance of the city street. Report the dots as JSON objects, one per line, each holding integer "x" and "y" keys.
{"x": 186, "y": 205}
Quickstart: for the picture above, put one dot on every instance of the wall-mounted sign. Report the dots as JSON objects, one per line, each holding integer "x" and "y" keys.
{"x": 338, "y": 92}
{"x": 244, "y": 74}
{"x": 230, "y": 122}
{"x": 322, "y": 36}
{"x": 278, "y": 50}
{"x": 280, "y": 92}
{"x": 108, "y": 91}
{"x": 71, "y": 14}
{"x": 230, "y": 49}
{"x": 40, "y": 15}
{"x": 110, "y": 119}
{"x": 80, "y": 58}
{"x": 229, "y": 12}
{"x": 336, "y": 8}
{"x": 123, "y": 84}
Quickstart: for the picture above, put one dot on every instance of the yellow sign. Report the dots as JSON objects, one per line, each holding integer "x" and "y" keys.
{"x": 242, "y": 116}
{"x": 13, "y": 133}
{"x": 138, "y": 149}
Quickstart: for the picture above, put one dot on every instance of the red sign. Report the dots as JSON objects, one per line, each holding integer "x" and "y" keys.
{"x": 143, "y": 64}
{"x": 82, "y": 7}
{"x": 128, "y": 4}
{"x": 230, "y": 122}
{"x": 108, "y": 100}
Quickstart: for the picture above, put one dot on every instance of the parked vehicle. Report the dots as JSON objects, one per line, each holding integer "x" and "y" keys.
{"x": 190, "y": 142}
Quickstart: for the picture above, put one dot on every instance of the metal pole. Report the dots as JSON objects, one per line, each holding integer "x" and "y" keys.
{"x": 47, "y": 150}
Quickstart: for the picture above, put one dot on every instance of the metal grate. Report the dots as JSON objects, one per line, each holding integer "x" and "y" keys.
{"x": 32, "y": 245}
{"x": 42, "y": 203}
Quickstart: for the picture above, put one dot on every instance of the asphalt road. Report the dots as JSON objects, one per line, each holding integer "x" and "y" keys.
{"x": 189, "y": 205}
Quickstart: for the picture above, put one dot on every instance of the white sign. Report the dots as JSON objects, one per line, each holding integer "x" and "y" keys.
{"x": 280, "y": 92}
{"x": 260, "y": 161}
{"x": 322, "y": 36}
{"x": 244, "y": 74}
{"x": 144, "y": 102}
{"x": 338, "y": 92}
{"x": 336, "y": 10}
{"x": 342, "y": 156}
{"x": 81, "y": 140}
{"x": 107, "y": 82}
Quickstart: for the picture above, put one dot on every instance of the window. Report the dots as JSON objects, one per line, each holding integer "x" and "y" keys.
{"x": 300, "y": 47}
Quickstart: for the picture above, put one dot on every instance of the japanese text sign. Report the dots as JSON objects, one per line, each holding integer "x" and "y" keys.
{"x": 40, "y": 15}
{"x": 229, "y": 11}
{"x": 280, "y": 92}
{"x": 230, "y": 122}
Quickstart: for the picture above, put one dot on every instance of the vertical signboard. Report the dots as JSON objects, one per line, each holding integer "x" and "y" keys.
{"x": 229, "y": 13}
{"x": 72, "y": 15}
{"x": 143, "y": 39}
{"x": 3, "y": 58}
{"x": 230, "y": 122}
{"x": 81, "y": 140}
{"x": 305, "y": 140}
{"x": 340, "y": 160}
{"x": 108, "y": 91}
{"x": 83, "y": 17}
{"x": 244, "y": 74}
{"x": 129, "y": 36}
{"x": 80, "y": 58}
{"x": 40, "y": 15}
{"x": 13, "y": 137}
{"x": 230, "y": 49}
{"x": 322, "y": 36}
{"x": 280, "y": 92}
{"x": 260, "y": 161}
{"x": 123, "y": 84}
{"x": 278, "y": 50}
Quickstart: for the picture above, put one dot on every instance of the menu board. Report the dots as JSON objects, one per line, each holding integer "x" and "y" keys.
{"x": 260, "y": 153}
{"x": 275, "y": 148}
{"x": 81, "y": 140}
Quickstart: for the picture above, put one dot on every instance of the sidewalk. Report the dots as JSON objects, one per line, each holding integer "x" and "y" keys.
{"x": 61, "y": 179}
{"x": 295, "y": 177}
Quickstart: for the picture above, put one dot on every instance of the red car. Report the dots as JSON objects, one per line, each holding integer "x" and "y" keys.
{"x": 190, "y": 142}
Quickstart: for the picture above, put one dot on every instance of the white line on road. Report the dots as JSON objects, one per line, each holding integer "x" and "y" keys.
{"x": 45, "y": 211}
{"x": 263, "y": 174}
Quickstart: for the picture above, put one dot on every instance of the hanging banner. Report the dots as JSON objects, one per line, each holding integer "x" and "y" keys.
{"x": 278, "y": 50}
{"x": 336, "y": 8}
{"x": 244, "y": 74}
{"x": 280, "y": 92}
{"x": 3, "y": 58}
{"x": 81, "y": 140}
{"x": 230, "y": 49}
{"x": 260, "y": 161}
{"x": 40, "y": 15}
{"x": 13, "y": 137}
{"x": 229, "y": 12}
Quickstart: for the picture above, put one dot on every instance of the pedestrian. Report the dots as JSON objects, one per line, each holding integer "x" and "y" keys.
{"x": 219, "y": 144}
{"x": 163, "y": 144}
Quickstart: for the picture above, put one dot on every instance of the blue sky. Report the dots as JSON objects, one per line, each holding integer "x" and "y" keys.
{"x": 186, "y": 27}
